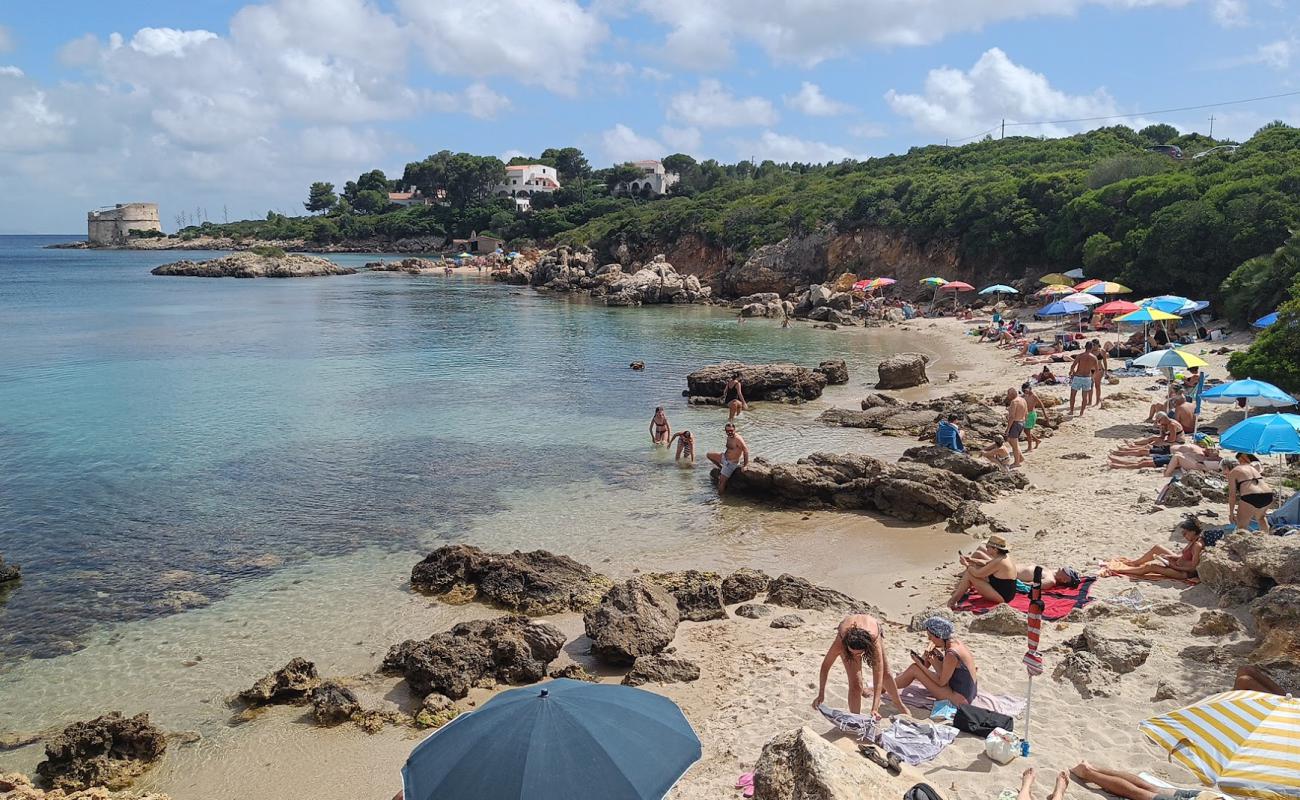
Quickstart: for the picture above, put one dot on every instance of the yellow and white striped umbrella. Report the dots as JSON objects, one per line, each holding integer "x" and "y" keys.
{"x": 1245, "y": 743}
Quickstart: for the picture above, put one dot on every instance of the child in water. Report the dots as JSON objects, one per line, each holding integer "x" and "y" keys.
{"x": 685, "y": 446}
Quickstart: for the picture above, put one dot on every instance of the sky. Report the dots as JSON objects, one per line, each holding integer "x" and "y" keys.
{"x": 226, "y": 110}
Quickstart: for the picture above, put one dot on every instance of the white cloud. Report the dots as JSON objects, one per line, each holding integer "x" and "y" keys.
{"x": 6, "y": 40}
{"x": 652, "y": 74}
{"x": 168, "y": 41}
{"x": 682, "y": 140}
{"x": 28, "y": 124}
{"x": 869, "y": 130}
{"x": 704, "y": 34}
{"x": 782, "y": 148}
{"x": 812, "y": 101}
{"x": 620, "y": 143}
{"x": 1229, "y": 13}
{"x": 11, "y": 72}
{"x": 1275, "y": 54}
{"x": 710, "y": 105}
{"x": 541, "y": 42}
{"x": 957, "y": 103}
{"x": 477, "y": 100}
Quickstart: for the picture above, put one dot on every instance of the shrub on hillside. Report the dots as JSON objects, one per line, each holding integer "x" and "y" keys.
{"x": 1275, "y": 355}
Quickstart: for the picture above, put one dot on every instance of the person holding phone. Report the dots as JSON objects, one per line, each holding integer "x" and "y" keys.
{"x": 947, "y": 670}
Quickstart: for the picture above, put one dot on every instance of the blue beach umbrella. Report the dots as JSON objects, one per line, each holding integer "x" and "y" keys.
{"x": 1265, "y": 321}
{"x": 1171, "y": 304}
{"x": 1061, "y": 308}
{"x": 999, "y": 288}
{"x": 1262, "y": 435}
{"x": 1256, "y": 394}
{"x": 561, "y": 740}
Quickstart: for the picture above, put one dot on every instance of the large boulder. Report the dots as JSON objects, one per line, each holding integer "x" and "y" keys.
{"x": 698, "y": 594}
{"x": 1118, "y": 648}
{"x": 835, "y": 371}
{"x": 657, "y": 282}
{"x": 109, "y": 751}
{"x": 1245, "y": 564}
{"x": 289, "y": 683}
{"x": 635, "y": 618}
{"x": 786, "y": 383}
{"x": 1001, "y": 621}
{"x": 661, "y": 668}
{"x": 538, "y": 582}
{"x": 1279, "y": 609}
{"x": 819, "y": 295}
{"x": 252, "y": 265}
{"x": 790, "y": 591}
{"x": 950, "y": 460}
{"x": 332, "y": 703}
{"x": 902, "y": 370}
{"x": 744, "y": 585}
{"x": 512, "y": 649}
{"x": 800, "y": 765}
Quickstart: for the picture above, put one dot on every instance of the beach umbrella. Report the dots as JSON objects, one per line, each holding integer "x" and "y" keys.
{"x": 1171, "y": 304}
{"x": 1060, "y": 308}
{"x": 1075, "y": 273}
{"x": 1116, "y": 307}
{"x": 956, "y": 286}
{"x": 1169, "y": 359}
{"x": 1082, "y": 298}
{"x": 1145, "y": 315}
{"x": 465, "y": 255}
{"x": 1057, "y": 278}
{"x": 1108, "y": 287}
{"x": 933, "y": 281}
{"x": 1253, "y": 393}
{"x": 999, "y": 288}
{"x": 1033, "y": 661}
{"x": 1262, "y": 435}
{"x": 1055, "y": 289}
{"x": 1079, "y": 287}
{"x": 860, "y": 286}
{"x": 1244, "y": 743}
{"x": 1265, "y": 321}
{"x": 562, "y": 740}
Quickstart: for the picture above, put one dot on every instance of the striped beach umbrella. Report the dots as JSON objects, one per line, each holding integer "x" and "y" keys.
{"x": 1244, "y": 743}
{"x": 1079, "y": 287}
{"x": 1145, "y": 315}
{"x": 1055, "y": 289}
{"x": 1169, "y": 359}
{"x": 933, "y": 281}
{"x": 861, "y": 286}
{"x": 1107, "y": 287}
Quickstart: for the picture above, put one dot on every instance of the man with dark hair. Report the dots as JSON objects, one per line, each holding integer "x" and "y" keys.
{"x": 734, "y": 456}
{"x": 949, "y": 434}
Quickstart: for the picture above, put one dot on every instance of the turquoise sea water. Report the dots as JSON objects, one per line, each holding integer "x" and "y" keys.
{"x": 181, "y": 434}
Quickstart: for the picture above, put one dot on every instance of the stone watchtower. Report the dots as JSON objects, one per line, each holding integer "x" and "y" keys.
{"x": 112, "y": 226}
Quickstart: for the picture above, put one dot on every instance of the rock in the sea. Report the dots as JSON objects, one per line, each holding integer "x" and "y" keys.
{"x": 661, "y": 668}
{"x": 512, "y": 649}
{"x": 252, "y": 265}
{"x": 902, "y": 370}
{"x": 950, "y": 461}
{"x": 411, "y": 265}
{"x": 109, "y": 751}
{"x": 1003, "y": 620}
{"x": 9, "y": 572}
{"x": 744, "y": 585}
{"x": 535, "y": 583}
{"x": 753, "y": 610}
{"x": 698, "y": 594}
{"x": 786, "y": 383}
{"x": 289, "y": 683}
{"x": 790, "y": 591}
{"x": 835, "y": 372}
{"x": 637, "y": 365}
{"x": 635, "y": 618}
{"x": 657, "y": 282}
{"x": 787, "y": 621}
{"x": 574, "y": 672}
{"x": 332, "y": 703}
{"x": 801, "y": 765}
{"x": 1215, "y": 623}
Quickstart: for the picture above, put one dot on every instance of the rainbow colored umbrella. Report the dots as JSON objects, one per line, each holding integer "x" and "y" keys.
{"x": 1169, "y": 359}
{"x": 1079, "y": 287}
{"x": 1145, "y": 315}
{"x": 1108, "y": 287}
{"x": 861, "y": 286}
{"x": 934, "y": 281}
{"x": 1116, "y": 307}
{"x": 1055, "y": 289}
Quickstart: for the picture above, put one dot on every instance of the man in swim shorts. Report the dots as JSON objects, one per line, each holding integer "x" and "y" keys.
{"x": 1081, "y": 372}
{"x": 1017, "y": 411}
{"x": 734, "y": 456}
{"x": 1035, "y": 405}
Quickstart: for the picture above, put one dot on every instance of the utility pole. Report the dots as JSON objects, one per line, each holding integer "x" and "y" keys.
{"x": 1004, "y": 128}
{"x": 1211, "y": 126}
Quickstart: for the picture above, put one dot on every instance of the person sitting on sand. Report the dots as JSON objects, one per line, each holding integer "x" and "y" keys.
{"x": 948, "y": 434}
{"x": 1161, "y": 562}
{"x": 734, "y": 456}
{"x": 1170, "y": 433}
{"x": 1027, "y": 785}
{"x": 1177, "y": 398}
{"x": 660, "y": 430}
{"x": 1248, "y": 495}
{"x": 859, "y": 638}
{"x": 1065, "y": 577}
{"x": 733, "y": 397}
{"x": 947, "y": 668}
{"x": 993, "y": 575}
{"x": 685, "y": 446}
{"x": 1132, "y": 787}
{"x": 1046, "y": 377}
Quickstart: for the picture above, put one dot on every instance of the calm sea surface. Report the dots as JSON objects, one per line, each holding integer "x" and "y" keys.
{"x": 165, "y": 442}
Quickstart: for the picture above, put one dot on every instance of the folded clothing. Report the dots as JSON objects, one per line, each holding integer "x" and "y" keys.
{"x": 1057, "y": 603}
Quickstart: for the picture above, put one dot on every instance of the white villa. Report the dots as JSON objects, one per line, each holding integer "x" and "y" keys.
{"x": 655, "y": 179}
{"x": 525, "y": 180}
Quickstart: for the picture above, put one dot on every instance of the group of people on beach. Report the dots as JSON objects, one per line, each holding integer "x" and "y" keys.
{"x": 735, "y": 452}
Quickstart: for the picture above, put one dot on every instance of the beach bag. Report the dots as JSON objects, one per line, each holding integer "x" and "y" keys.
{"x": 1002, "y": 746}
{"x": 921, "y": 791}
{"x": 980, "y": 721}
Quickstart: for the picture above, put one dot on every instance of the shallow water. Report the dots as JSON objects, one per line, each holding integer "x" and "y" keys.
{"x": 285, "y": 450}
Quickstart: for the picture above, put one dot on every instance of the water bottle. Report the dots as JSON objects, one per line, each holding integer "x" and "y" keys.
{"x": 1024, "y": 748}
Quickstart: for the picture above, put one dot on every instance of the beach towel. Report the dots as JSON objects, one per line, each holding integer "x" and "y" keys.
{"x": 861, "y": 726}
{"x": 1288, "y": 513}
{"x": 1057, "y": 603}
{"x": 916, "y": 742}
{"x": 917, "y": 697}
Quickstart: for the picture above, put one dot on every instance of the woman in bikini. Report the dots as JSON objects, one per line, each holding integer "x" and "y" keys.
{"x": 947, "y": 670}
{"x": 859, "y": 638}
{"x": 733, "y": 397}
{"x": 1248, "y": 495}
{"x": 993, "y": 574}
{"x": 1161, "y": 562}
{"x": 660, "y": 430}
{"x": 685, "y": 446}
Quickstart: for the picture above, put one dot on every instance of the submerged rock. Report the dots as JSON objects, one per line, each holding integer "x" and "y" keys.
{"x": 635, "y": 618}
{"x": 539, "y": 582}
{"x": 287, "y": 684}
{"x": 332, "y": 703}
{"x": 9, "y": 572}
{"x": 835, "y": 372}
{"x": 661, "y": 668}
{"x": 512, "y": 649}
{"x": 785, "y": 383}
{"x": 252, "y": 265}
{"x": 110, "y": 751}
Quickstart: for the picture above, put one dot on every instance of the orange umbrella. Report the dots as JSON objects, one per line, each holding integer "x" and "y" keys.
{"x": 1079, "y": 287}
{"x": 956, "y": 286}
{"x": 1116, "y": 307}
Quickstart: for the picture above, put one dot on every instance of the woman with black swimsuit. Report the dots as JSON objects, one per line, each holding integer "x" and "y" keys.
{"x": 733, "y": 397}
{"x": 660, "y": 430}
{"x": 1248, "y": 495}
{"x": 991, "y": 573}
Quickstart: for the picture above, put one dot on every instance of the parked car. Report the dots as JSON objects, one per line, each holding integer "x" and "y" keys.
{"x": 1172, "y": 150}
{"x": 1225, "y": 149}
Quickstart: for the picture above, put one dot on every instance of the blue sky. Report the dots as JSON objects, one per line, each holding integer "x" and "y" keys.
{"x": 239, "y": 105}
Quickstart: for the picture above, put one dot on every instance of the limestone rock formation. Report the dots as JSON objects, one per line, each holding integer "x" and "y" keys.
{"x": 787, "y": 621}
{"x": 1003, "y": 620}
{"x": 753, "y": 610}
{"x": 661, "y": 668}
{"x": 511, "y": 649}
{"x": 251, "y": 265}
{"x": 1118, "y": 649}
{"x": 902, "y": 370}
{"x": 698, "y": 594}
{"x": 574, "y": 672}
{"x": 435, "y": 711}
{"x": 1244, "y": 565}
{"x": 800, "y": 765}
{"x": 790, "y": 591}
{"x": 538, "y": 582}
{"x": 109, "y": 751}
{"x": 1215, "y": 623}
{"x": 332, "y": 703}
{"x": 410, "y": 265}
{"x": 16, "y": 786}
{"x": 287, "y": 684}
{"x": 744, "y": 585}
{"x": 9, "y": 572}
{"x": 835, "y": 371}
{"x": 786, "y": 383}
{"x": 635, "y": 618}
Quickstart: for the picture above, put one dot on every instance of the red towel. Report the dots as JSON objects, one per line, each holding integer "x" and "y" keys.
{"x": 1057, "y": 603}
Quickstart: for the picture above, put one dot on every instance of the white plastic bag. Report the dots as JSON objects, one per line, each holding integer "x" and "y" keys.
{"x": 1002, "y": 746}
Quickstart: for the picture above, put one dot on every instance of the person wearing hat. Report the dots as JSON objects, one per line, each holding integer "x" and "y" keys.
{"x": 989, "y": 571}
{"x": 947, "y": 669}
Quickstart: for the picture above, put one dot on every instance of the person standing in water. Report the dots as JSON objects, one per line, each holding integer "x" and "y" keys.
{"x": 685, "y": 446}
{"x": 660, "y": 430}
{"x": 734, "y": 456}
{"x": 859, "y": 639}
{"x": 733, "y": 397}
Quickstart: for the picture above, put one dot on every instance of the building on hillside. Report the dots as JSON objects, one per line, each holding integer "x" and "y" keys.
{"x": 478, "y": 244}
{"x": 654, "y": 180}
{"x": 107, "y": 227}
{"x": 525, "y": 180}
{"x": 408, "y": 199}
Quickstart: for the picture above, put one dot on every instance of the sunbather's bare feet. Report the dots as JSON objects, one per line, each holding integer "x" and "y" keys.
{"x": 1026, "y": 785}
{"x": 1062, "y": 781}
{"x": 1027, "y": 776}
{"x": 1081, "y": 770}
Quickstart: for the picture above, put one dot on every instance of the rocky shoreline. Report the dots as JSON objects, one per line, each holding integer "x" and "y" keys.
{"x": 253, "y": 265}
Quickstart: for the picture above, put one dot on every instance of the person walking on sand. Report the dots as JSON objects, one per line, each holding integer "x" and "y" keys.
{"x": 1035, "y": 407}
{"x": 1103, "y": 366}
{"x": 734, "y": 456}
{"x": 858, "y": 638}
{"x": 994, "y": 579}
{"x": 1081, "y": 372}
{"x": 1017, "y": 412}
{"x": 685, "y": 446}
{"x": 733, "y": 397}
{"x": 660, "y": 430}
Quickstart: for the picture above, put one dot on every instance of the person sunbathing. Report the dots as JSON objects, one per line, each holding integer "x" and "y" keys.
{"x": 1046, "y": 377}
{"x": 947, "y": 669}
{"x": 1170, "y": 433}
{"x": 992, "y": 573}
{"x": 1132, "y": 787}
{"x": 1158, "y": 456}
{"x": 1067, "y": 577}
{"x": 1210, "y": 460}
{"x": 1161, "y": 562}
{"x": 1027, "y": 785}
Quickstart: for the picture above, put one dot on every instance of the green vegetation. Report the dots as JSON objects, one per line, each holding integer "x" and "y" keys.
{"x": 1275, "y": 355}
{"x": 140, "y": 233}
{"x": 267, "y": 251}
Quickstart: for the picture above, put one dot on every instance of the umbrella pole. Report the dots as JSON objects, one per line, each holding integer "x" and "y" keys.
{"x": 1029, "y": 698}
